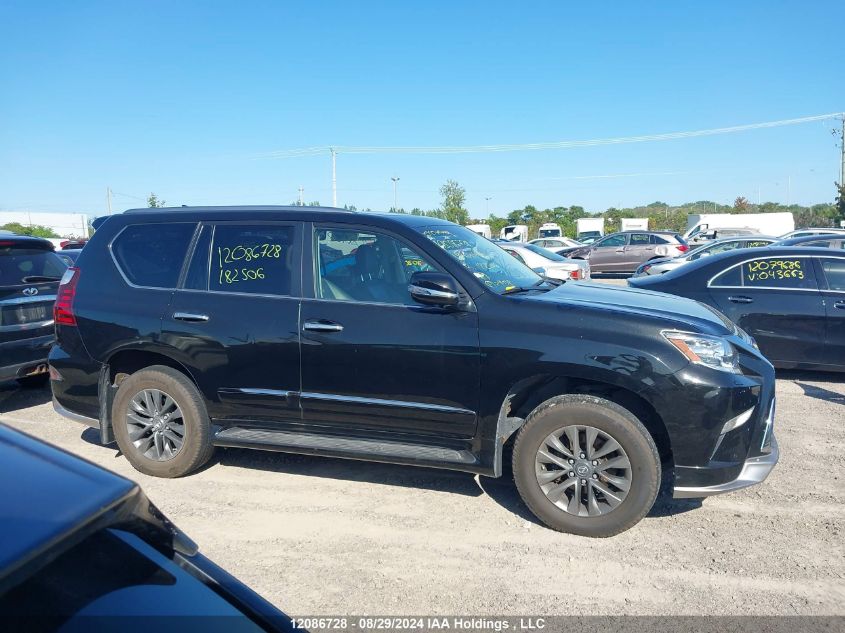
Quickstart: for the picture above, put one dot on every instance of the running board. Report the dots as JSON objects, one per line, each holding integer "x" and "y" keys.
{"x": 285, "y": 441}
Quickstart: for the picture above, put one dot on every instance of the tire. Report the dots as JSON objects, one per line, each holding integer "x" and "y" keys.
{"x": 596, "y": 515}
{"x": 34, "y": 382}
{"x": 196, "y": 447}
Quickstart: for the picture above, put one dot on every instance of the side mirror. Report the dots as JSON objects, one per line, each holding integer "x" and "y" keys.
{"x": 434, "y": 289}
{"x": 540, "y": 271}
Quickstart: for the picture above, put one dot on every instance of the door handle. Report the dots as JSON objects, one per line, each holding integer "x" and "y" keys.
{"x": 620, "y": 250}
{"x": 190, "y": 317}
{"x": 322, "y": 326}
{"x": 740, "y": 299}
{"x": 840, "y": 305}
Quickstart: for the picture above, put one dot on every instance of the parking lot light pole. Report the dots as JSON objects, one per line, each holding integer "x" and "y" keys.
{"x": 395, "y": 179}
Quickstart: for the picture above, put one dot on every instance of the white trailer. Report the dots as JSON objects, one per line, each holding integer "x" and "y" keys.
{"x": 589, "y": 227}
{"x": 635, "y": 224}
{"x": 766, "y": 223}
{"x": 482, "y": 229}
{"x": 515, "y": 233}
{"x": 550, "y": 229}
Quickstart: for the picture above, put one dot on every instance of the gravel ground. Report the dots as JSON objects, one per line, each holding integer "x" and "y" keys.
{"x": 323, "y": 536}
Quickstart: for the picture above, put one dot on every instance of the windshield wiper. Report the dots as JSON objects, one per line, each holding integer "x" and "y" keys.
{"x": 36, "y": 278}
{"x": 515, "y": 289}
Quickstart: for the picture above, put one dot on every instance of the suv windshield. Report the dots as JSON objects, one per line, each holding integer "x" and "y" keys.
{"x": 498, "y": 270}
{"x": 20, "y": 264}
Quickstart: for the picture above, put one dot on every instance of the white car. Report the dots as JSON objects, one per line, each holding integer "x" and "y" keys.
{"x": 812, "y": 231}
{"x": 547, "y": 263}
{"x": 554, "y": 244}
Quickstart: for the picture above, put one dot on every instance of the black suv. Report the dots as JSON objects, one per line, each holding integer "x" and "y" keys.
{"x": 403, "y": 339}
{"x": 29, "y": 275}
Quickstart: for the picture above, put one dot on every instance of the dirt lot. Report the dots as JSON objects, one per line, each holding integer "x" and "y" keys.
{"x": 321, "y": 536}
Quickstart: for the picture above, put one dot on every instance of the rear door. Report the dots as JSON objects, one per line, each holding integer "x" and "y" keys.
{"x": 777, "y": 300}
{"x": 640, "y": 248}
{"x": 374, "y": 362}
{"x": 608, "y": 254}
{"x": 832, "y": 278}
{"x": 235, "y": 320}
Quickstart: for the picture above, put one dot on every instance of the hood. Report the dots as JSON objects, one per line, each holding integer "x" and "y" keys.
{"x": 678, "y": 312}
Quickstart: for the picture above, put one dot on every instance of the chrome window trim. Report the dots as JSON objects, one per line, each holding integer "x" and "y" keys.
{"x": 745, "y": 261}
{"x": 22, "y": 327}
{"x": 238, "y": 294}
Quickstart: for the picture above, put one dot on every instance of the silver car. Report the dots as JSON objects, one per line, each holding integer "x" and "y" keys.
{"x": 547, "y": 263}
{"x": 660, "y": 266}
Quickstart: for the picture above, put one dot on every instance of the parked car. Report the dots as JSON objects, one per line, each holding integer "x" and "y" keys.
{"x": 73, "y": 244}
{"x": 69, "y": 255}
{"x": 547, "y": 263}
{"x": 661, "y": 266}
{"x": 79, "y": 544}
{"x": 822, "y": 241}
{"x": 225, "y": 327}
{"x": 29, "y": 276}
{"x": 624, "y": 252}
{"x": 790, "y": 299}
{"x": 556, "y": 243}
{"x": 812, "y": 231}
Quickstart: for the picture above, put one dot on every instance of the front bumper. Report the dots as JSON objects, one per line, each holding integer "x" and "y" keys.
{"x": 754, "y": 471}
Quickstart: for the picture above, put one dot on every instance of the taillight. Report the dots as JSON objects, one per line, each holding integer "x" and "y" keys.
{"x": 575, "y": 274}
{"x": 683, "y": 248}
{"x": 63, "y": 308}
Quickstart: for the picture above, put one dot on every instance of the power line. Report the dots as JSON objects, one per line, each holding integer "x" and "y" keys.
{"x": 470, "y": 149}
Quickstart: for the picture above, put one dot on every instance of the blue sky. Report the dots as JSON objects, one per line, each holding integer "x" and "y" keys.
{"x": 179, "y": 97}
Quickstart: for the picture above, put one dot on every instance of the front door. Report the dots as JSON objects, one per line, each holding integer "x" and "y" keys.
{"x": 235, "y": 321}
{"x": 833, "y": 270}
{"x": 608, "y": 254}
{"x": 777, "y": 301}
{"x": 374, "y": 362}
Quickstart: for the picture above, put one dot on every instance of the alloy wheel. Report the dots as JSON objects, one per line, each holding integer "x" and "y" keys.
{"x": 155, "y": 425}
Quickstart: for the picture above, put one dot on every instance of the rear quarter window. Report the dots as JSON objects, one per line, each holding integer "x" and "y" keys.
{"x": 151, "y": 255}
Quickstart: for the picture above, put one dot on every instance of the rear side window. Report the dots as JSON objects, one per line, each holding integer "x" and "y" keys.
{"x": 19, "y": 266}
{"x": 253, "y": 259}
{"x": 779, "y": 272}
{"x": 151, "y": 255}
{"x": 834, "y": 272}
{"x": 638, "y": 239}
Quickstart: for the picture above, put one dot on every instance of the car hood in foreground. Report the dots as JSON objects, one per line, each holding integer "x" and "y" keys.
{"x": 677, "y": 311}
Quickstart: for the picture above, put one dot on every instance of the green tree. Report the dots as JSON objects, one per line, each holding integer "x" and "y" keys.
{"x": 153, "y": 202}
{"x": 741, "y": 204}
{"x": 35, "y": 230}
{"x": 840, "y": 200}
{"x": 452, "y": 206}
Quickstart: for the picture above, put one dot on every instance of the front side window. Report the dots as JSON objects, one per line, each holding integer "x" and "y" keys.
{"x": 834, "y": 272}
{"x": 151, "y": 255}
{"x": 365, "y": 266}
{"x": 253, "y": 259}
{"x": 757, "y": 243}
{"x": 494, "y": 267}
{"x": 613, "y": 240}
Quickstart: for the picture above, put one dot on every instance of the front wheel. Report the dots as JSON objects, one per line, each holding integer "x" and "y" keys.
{"x": 586, "y": 465}
{"x": 160, "y": 423}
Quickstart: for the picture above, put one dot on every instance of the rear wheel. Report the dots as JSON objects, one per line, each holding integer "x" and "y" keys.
{"x": 160, "y": 423}
{"x": 586, "y": 465}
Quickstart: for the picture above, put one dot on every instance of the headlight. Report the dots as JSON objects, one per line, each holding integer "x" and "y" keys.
{"x": 712, "y": 351}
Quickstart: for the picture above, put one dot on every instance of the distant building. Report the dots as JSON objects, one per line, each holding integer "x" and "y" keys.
{"x": 64, "y": 224}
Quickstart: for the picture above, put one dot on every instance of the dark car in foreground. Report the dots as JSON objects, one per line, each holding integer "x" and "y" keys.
{"x": 790, "y": 299}
{"x": 84, "y": 549}
{"x": 624, "y": 252}
{"x": 29, "y": 275}
{"x": 403, "y": 339}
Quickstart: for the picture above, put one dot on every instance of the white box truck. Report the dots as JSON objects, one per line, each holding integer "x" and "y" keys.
{"x": 515, "y": 233}
{"x": 635, "y": 224}
{"x": 766, "y": 223}
{"x": 550, "y": 229}
{"x": 482, "y": 229}
{"x": 589, "y": 228}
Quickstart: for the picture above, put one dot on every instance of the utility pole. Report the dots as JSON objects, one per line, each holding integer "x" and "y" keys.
{"x": 334, "y": 176}
{"x": 301, "y": 190}
{"x": 395, "y": 179}
{"x": 108, "y": 199}
{"x": 842, "y": 150}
